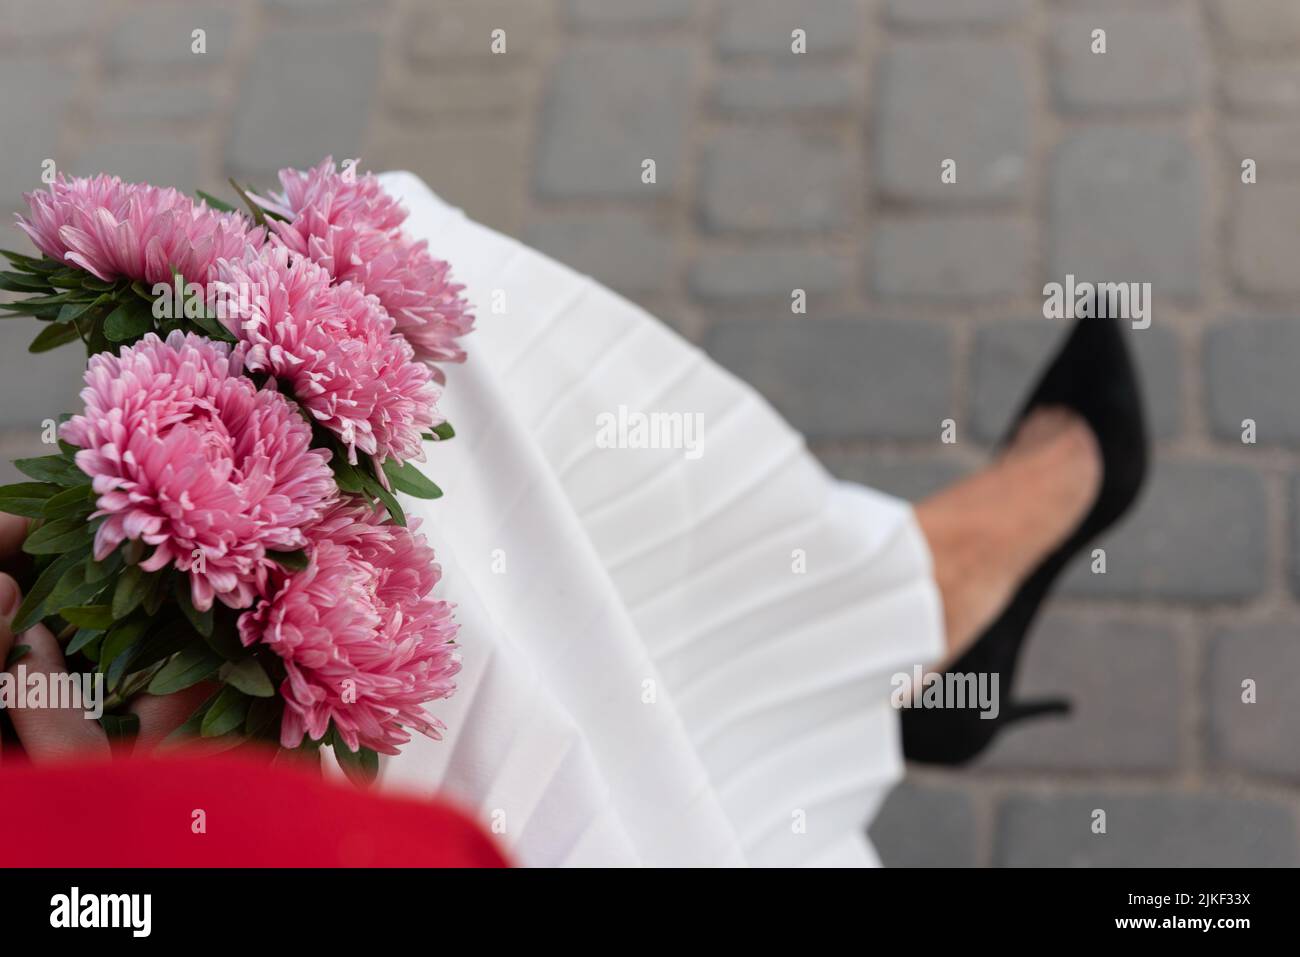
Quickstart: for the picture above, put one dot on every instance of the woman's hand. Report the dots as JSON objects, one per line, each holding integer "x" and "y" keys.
{"x": 47, "y": 733}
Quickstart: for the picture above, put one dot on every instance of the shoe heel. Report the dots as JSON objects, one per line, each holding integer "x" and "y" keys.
{"x": 1020, "y": 710}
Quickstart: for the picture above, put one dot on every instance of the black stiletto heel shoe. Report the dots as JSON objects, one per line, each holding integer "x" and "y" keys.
{"x": 1093, "y": 375}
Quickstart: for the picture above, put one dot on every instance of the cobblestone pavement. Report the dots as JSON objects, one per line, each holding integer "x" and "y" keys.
{"x": 820, "y": 171}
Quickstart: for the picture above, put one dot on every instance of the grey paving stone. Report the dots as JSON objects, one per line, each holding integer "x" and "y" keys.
{"x": 1126, "y": 207}
{"x": 1009, "y": 356}
{"x": 946, "y": 13}
{"x": 925, "y": 826}
{"x": 1250, "y": 372}
{"x": 951, "y": 258}
{"x": 1154, "y": 59}
{"x": 1125, "y": 679}
{"x": 748, "y": 89}
{"x": 775, "y": 180}
{"x": 1257, "y": 26}
{"x": 38, "y": 113}
{"x": 27, "y": 24}
{"x": 749, "y": 27}
{"x": 770, "y": 272}
{"x": 163, "y": 38}
{"x": 1261, "y": 87}
{"x": 36, "y": 387}
{"x": 1295, "y": 535}
{"x": 482, "y": 168}
{"x": 444, "y": 32}
{"x": 1258, "y": 736}
{"x": 626, "y": 252}
{"x": 444, "y": 96}
{"x": 306, "y": 95}
{"x": 837, "y": 378}
{"x": 1273, "y": 145}
{"x": 162, "y": 163}
{"x": 317, "y": 8}
{"x": 1264, "y": 235}
{"x": 964, "y": 100}
{"x": 1166, "y": 829}
{"x": 1199, "y": 534}
{"x": 595, "y": 135}
{"x": 912, "y": 479}
{"x": 628, "y": 13}
{"x": 145, "y": 102}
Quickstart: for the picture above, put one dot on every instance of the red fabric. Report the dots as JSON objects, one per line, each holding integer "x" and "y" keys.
{"x": 139, "y": 812}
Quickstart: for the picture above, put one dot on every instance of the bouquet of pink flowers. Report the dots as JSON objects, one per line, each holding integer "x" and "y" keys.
{"x": 222, "y": 508}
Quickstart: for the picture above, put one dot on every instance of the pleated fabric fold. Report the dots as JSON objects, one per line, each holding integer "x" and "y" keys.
{"x": 672, "y": 656}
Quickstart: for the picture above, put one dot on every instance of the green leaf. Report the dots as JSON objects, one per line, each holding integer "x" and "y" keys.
{"x": 250, "y": 677}
{"x": 72, "y": 589}
{"x": 57, "y": 537}
{"x": 23, "y": 261}
{"x": 90, "y": 650}
{"x": 74, "y": 310}
{"x": 81, "y": 639}
{"x": 190, "y": 666}
{"x": 409, "y": 479}
{"x": 22, "y": 282}
{"x": 65, "y": 278}
{"x": 27, "y": 498}
{"x": 128, "y": 321}
{"x": 294, "y": 561}
{"x": 219, "y": 205}
{"x": 120, "y": 645}
{"x": 258, "y": 213}
{"x": 32, "y": 609}
{"x": 444, "y": 432}
{"x": 16, "y": 654}
{"x": 361, "y": 767}
{"x": 156, "y": 591}
{"x": 89, "y": 617}
{"x": 226, "y": 714}
{"x": 201, "y": 620}
{"x": 130, "y": 590}
{"x": 167, "y": 636}
{"x": 213, "y": 328}
{"x": 53, "y": 468}
{"x": 53, "y": 336}
{"x": 54, "y": 299}
{"x": 98, "y": 571}
{"x": 193, "y": 723}
{"x": 76, "y": 502}
{"x": 263, "y": 721}
{"x": 390, "y": 502}
{"x": 224, "y": 639}
{"x": 120, "y": 727}
{"x": 346, "y": 475}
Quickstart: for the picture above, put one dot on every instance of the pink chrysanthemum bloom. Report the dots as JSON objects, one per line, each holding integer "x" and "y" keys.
{"x": 364, "y": 643}
{"x": 350, "y": 226}
{"x": 335, "y": 346}
{"x": 187, "y": 455}
{"x": 133, "y": 230}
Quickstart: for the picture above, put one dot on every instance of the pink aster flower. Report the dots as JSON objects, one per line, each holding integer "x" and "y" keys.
{"x": 364, "y": 643}
{"x": 188, "y": 456}
{"x": 335, "y": 346}
{"x": 133, "y": 230}
{"x": 351, "y": 227}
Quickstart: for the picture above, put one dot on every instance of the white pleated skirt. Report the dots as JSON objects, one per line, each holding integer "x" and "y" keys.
{"x": 673, "y": 656}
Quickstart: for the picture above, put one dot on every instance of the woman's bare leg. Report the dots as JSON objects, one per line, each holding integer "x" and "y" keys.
{"x": 990, "y": 530}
